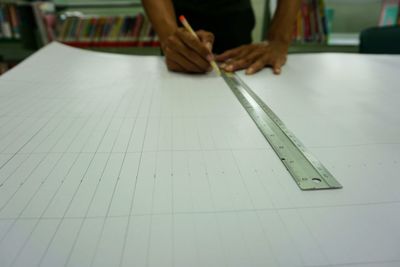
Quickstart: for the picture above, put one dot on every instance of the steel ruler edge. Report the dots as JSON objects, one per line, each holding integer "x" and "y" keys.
{"x": 307, "y": 171}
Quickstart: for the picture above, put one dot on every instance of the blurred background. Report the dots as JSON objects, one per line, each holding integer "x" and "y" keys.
{"x": 348, "y": 26}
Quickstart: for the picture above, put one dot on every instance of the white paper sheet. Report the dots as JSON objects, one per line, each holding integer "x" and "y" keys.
{"x": 109, "y": 160}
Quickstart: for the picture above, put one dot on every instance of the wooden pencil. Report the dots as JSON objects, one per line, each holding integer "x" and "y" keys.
{"x": 187, "y": 26}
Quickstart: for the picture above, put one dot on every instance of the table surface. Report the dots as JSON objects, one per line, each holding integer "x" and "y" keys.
{"x": 111, "y": 160}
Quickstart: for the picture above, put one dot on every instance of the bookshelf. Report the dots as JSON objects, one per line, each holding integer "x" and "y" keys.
{"x": 108, "y": 26}
{"x": 16, "y": 49}
{"x": 17, "y": 40}
{"x": 347, "y": 19}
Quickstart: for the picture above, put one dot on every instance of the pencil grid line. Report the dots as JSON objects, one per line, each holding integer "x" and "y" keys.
{"x": 172, "y": 194}
{"x": 123, "y": 162}
{"x": 137, "y": 176}
{"x": 173, "y": 212}
{"x": 38, "y": 117}
{"x": 312, "y": 235}
{"x": 14, "y": 170}
{"x": 10, "y": 106}
{"x": 105, "y": 217}
{"x": 6, "y": 129}
{"x": 6, "y": 102}
{"x": 33, "y": 135}
{"x": 297, "y": 252}
{"x": 269, "y": 243}
{"x": 13, "y": 155}
{"x": 55, "y": 193}
{"x": 244, "y": 185}
{"x": 23, "y": 182}
{"x": 361, "y": 262}
{"x": 189, "y": 95}
{"x": 90, "y": 203}
{"x": 57, "y": 188}
{"x": 154, "y": 187}
{"x": 32, "y": 108}
{"x": 274, "y": 207}
{"x": 221, "y": 246}
{"x": 118, "y": 177}
{"x": 204, "y": 212}
{"x": 152, "y": 208}
{"x": 187, "y": 92}
{"x": 194, "y": 226}
{"x": 77, "y": 188}
{"x": 45, "y": 156}
{"x": 37, "y": 223}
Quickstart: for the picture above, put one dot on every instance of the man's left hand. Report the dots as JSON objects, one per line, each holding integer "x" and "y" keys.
{"x": 254, "y": 57}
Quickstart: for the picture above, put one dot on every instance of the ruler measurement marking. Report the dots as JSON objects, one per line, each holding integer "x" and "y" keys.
{"x": 308, "y": 172}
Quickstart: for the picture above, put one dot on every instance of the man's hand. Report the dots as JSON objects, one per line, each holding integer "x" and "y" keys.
{"x": 186, "y": 53}
{"x": 254, "y": 57}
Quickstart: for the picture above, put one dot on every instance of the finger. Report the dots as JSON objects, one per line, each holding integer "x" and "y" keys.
{"x": 243, "y": 61}
{"x": 277, "y": 67}
{"x": 194, "y": 43}
{"x": 176, "y": 44}
{"x": 238, "y": 65}
{"x": 258, "y": 65}
{"x": 188, "y": 66}
{"x": 173, "y": 66}
{"x": 228, "y": 54}
{"x": 209, "y": 47}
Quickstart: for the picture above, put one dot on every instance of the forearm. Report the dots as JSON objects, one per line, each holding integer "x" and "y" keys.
{"x": 162, "y": 16}
{"x": 282, "y": 24}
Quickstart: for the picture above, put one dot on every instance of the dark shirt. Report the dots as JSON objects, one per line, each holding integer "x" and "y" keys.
{"x": 231, "y": 21}
{"x": 212, "y": 6}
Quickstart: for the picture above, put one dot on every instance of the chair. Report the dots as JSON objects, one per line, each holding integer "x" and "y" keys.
{"x": 380, "y": 40}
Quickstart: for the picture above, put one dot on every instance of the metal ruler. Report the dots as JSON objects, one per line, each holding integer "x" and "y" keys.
{"x": 307, "y": 171}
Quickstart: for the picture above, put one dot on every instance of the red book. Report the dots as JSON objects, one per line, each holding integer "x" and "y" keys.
{"x": 317, "y": 36}
{"x": 137, "y": 27}
{"x": 306, "y": 19}
{"x": 398, "y": 18}
{"x": 14, "y": 21}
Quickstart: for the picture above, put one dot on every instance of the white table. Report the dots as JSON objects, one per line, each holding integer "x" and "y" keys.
{"x": 110, "y": 160}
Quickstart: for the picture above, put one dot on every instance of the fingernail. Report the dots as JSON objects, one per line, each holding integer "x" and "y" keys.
{"x": 278, "y": 71}
{"x": 223, "y": 65}
{"x": 210, "y": 57}
{"x": 249, "y": 71}
{"x": 209, "y": 46}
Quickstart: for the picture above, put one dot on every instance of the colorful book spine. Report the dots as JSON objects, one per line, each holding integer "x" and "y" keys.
{"x": 311, "y": 23}
{"x": 389, "y": 12}
{"x": 9, "y": 22}
{"x": 15, "y": 23}
{"x": 323, "y": 19}
{"x": 106, "y": 31}
{"x": 137, "y": 27}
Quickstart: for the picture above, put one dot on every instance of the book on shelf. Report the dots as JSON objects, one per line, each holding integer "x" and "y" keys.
{"x": 9, "y": 22}
{"x": 311, "y": 23}
{"x": 77, "y": 29}
{"x": 45, "y": 16}
{"x": 85, "y": 30}
{"x": 390, "y": 13}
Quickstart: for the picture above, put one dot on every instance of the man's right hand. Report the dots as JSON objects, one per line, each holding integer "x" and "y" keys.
{"x": 187, "y": 53}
